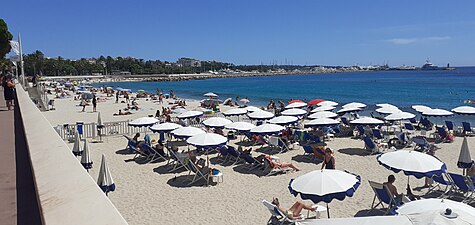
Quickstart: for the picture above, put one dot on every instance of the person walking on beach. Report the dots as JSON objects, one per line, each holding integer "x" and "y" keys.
{"x": 8, "y": 90}
{"x": 94, "y": 103}
{"x": 117, "y": 97}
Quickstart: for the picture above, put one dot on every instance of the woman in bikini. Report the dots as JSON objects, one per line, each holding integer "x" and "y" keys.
{"x": 294, "y": 211}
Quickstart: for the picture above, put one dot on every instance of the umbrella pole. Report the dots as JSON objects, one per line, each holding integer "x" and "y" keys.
{"x": 328, "y": 211}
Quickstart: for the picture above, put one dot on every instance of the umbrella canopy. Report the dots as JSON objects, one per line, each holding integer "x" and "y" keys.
{"x": 366, "y": 121}
{"x": 295, "y": 100}
{"x": 386, "y": 105}
{"x": 296, "y": 105}
{"x": 86, "y": 160}
{"x": 77, "y": 145}
{"x": 105, "y": 181}
{"x": 322, "y": 122}
{"x": 284, "y": 120}
{"x": 323, "y": 114}
{"x": 245, "y": 100}
{"x": 164, "y": 127}
{"x": 260, "y": 115}
{"x": 210, "y": 95}
{"x": 465, "y": 160}
{"x": 433, "y": 204}
{"x": 235, "y": 112}
{"x": 186, "y": 132}
{"x": 240, "y": 126}
{"x": 325, "y": 185}
{"x": 327, "y": 103}
{"x": 437, "y": 112}
{"x": 421, "y": 108}
{"x": 179, "y": 110}
{"x": 252, "y": 109}
{"x": 323, "y": 108}
{"x": 354, "y": 105}
{"x": 99, "y": 121}
{"x": 190, "y": 114}
{"x": 294, "y": 112}
{"x": 468, "y": 110}
{"x": 315, "y": 101}
{"x": 388, "y": 110}
{"x": 217, "y": 122}
{"x": 143, "y": 122}
{"x": 400, "y": 116}
{"x": 412, "y": 163}
{"x": 267, "y": 129}
{"x": 207, "y": 140}
{"x": 349, "y": 109}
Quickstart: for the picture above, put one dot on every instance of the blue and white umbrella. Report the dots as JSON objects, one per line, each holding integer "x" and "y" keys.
{"x": 216, "y": 122}
{"x": 465, "y": 160}
{"x": 412, "y": 163}
{"x": 77, "y": 145}
{"x": 235, "y": 112}
{"x": 348, "y": 110}
{"x": 325, "y": 185}
{"x": 323, "y": 114}
{"x": 260, "y": 115}
{"x": 284, "y": 120}
{"x": 464, "y": 110}
{"x": 105, "y": 181}
{"x": 323, "y": 108}
{"x": 207, "y": 140}
{"x": 296, "y": 105}
{"x": 240, "y": 126}
{"x": 186, "y": 132}
{"x": 322, "y": 122}
{"x": 267, "y": 129}
{"x": 190, "y": 114}
{"x": 366, "y": 121}
{"x": 143, "y": 122}
{"x": 164, "y": 127}
{"x": 354, "y": 105}
{"x": 86, "y": 160}
{"x": 294, "y": 112}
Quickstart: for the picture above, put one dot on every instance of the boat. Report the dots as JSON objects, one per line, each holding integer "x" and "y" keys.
{"x": 429, "y": 66}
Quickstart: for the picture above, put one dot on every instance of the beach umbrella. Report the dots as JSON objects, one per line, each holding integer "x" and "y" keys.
{"x": 294, "y": 112}
{"x": 366, "y": 121}
{"x": 386, "y": 105}
{"x": 105, "y": 181}
{"x": 433, "y": 204}
{"x": 296, "y": 105}
{"x": 252, "y": 109}
{"x": 235, "y": 112}
{"x": 437, "y": 112}
{"x": 327, "y": 103}
{"x": 322, "y": 122}
{"x": 240, "y": 126}
{"x": 388, "y": 110}
{"x": 283, "y": 120}
{"x": 143, "y": 122}
{"x": 315, "y": 101}
{"x": 210, "y": 95}
{"x": 294, "y": 101}
{"x": 260, "y": 115}
{"x": 99, "y": 121}
{"x": 86, "y": 160}
{"x": 179, "y": 110}
{"x": 412, "y": 163}
{"x": 323, "y": 114}
{"x": 77, "y": 145}
{"x": 354, "y": 105}
{"x": 267, "y": 129}
{"x": 467, "y": 110}
{"x": 190, "y": 114}
{"x": 465, "y": 159}
{"x": 141, "y": 91}
{"x": 400, "y": 116}
{"x": 245, "y": 100}
{"x": 349, "y": 109}
{"x": 186, "y": 132}
{"x": 325, "y": 185}
{"x": 323, "y": 108}
{"x": 207, "y": 140}
{"x": 119, "y": 89}
{"x": 421, "y": 108}
{"x": 217, "y": 122}
{"x": 164, "y": 127}
{"x": 227, "y": 101}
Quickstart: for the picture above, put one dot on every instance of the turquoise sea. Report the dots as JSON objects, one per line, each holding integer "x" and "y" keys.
{"x": 437, "y": 89}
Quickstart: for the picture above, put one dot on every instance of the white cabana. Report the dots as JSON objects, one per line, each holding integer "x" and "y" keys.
{"x": 284, "y": 120}
{"x": 296, "y": 105}
{"x": 105, "y": 181}
{"x": 421, "y": 108}
{"x": 322, "y": 122}
{"x": 366, "y": 121}
{"x": 217, "y": 122}
{"x": 327, "y": 103}
{"x": 467, "y": 110}
{"x": 348, "y": 109}
{"x": 412, "y": 163}
{"x": 437, "y": 112}
{"x": 400, "y": 116}
{"x": 267, "y": 129}
{"x": 294, "y": 112}
{"x": 190, "y": 114}
{"x": 143, "y": 122}
{"x": 323, "y": 108}
{"x": 260, "y": 115}
{"x": 86, "y": 160}
{"x": 186, "y": 132}
{"x": 207, "y": 140}
{"x": 235, "y": 112}
{"x": 388, "y": 110}
{"x": 323, "y": 114}
{"x": 240, "y": 126}
{"x": 164, "y": 127}
{"x": 354, "y": 105}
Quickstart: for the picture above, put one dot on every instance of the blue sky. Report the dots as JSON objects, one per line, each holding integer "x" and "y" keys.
{"x": 251, "y": 32}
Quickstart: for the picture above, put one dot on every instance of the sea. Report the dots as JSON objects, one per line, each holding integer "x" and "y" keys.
{"x": 445, "y": 89}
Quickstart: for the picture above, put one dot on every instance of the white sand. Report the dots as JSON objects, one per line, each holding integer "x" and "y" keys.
{"x": 147, "y": 193}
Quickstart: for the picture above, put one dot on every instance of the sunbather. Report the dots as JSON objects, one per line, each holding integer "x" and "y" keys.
{"x": 273, "y": 164}
{"x": 294, "y": 212}
{"x": 203, "y": 165}
{"x": 121, "y": 113}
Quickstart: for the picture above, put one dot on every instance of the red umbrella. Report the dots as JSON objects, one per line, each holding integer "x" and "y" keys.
{"x": 294, "y": 101}
{"x": 315, "y": 101}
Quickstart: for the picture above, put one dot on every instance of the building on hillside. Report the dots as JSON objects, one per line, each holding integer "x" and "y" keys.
{"x": 188, "y": 62}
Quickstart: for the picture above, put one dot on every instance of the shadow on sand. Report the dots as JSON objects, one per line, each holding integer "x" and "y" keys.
{"x": 354, "y": 151}
{"x": 183, "y": 181}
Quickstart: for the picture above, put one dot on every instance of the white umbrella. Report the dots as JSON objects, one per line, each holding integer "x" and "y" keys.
{"x": 283, "y": 120}
{"x": 412, "y": 163}
{"x": 210, "y": 95}
{"x": 366, "y": 121}
{"x": 348, "y": 109}
{"x": 143, "y": 122}
{"x": 179, "y": 110}
{"x": 465, "y": 159}
{"x": 328, "y": 103}
{"x": 354, "y": 105}
{"x": 77, "y": 145}
{"x": 235, "y": 112}
{"x": 260, "y": 115}
{"x": 323, "y": 108}
{"x": 252, "y": 109}
{"x": 105, "y": 181}
{"x": 294, "y": 112}
{"x": 245, "y": 100}
{"x": 386, "y": 105}
{"x": 433, "y": 204}
{"x": 190, "y": 114}
{"x": 164, "y": 127}
{"x": 388, "y": 110}
{"x": 216, "y": 122}
{"x": 186, "y": 132}
{"x": 267, "y": 129}
{"x": 209, "y": 140}
{"x": 437, "y": 112}
{"x": 296, "y": 105}
{"x": 240, "y": 126}
{"x": 325, "y": 185}
{"x": 400, "y": 116}
{"x": 468, "y": 110}
{"x": 323, "y": 114}
{"x": 86, "y": 160}
{"x": 322, "y": 122}
{"x": 421, "y": 108}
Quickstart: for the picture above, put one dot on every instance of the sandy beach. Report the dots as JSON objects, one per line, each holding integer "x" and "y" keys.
{"x": 149, "y": 194}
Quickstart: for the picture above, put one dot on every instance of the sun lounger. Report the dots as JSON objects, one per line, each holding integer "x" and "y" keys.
{"x": 449, "y": 125}
{"x": 409, "y": 128}
{"x": 384, "y": 196}
{"x": 223, "y": 154}
{"x": 278, "y": 144}
{"x": 371, "y": 146}
{"x": 250, "y": 161}
{"x": 421, "y": 144}
{"x": 360, "y": 132}
{"x": 198, "y": 174}
{"x": 153, "y": 155}
{"x": 443, "y": 180}
{"x": 177, "y": 161}
{"x": 233, "y": 153}
{"x": 464, "y": 186}
{"x": 277, "y": 215}
{"x": 271, "y": 168}
{"x": 467, "y": 129}
{"x": 310, "y": 152}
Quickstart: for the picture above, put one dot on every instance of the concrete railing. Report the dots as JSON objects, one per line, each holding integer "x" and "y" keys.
{"x": 66, "y": 193}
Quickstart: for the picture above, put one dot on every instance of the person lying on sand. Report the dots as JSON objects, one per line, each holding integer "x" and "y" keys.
{"x": 121, "y": 113}
{"x": 294, "y": 212}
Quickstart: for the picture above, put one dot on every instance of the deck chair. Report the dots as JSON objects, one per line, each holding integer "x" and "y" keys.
{"x": 464, "y": 186}
{"x": 176, "y": 161}
{"x": 421, "y": 144}
{"x": 153, "y": 155}
{"x": 361, "y": 132}
{"x": 271, "y": 168}
{"x": 199, "y": 175}
{"x": 233, "y": 153}
{"x": 401, "y": 141}
{"x": 441, "y": 134}
{"x": 309, "y": 152}
{"x": 442, "y": 180}
{"x": 413, "y": 121}
{"x": 277, "y": 215}
{"x": 345, "y": 121}
{"x": 278, "y": 144}
{"x": 250, "y": 161}
{"x": 409, "y": 128}
{"x": 384, "y": 196}
{"x": 467, "y": 129}
{"x": 449, "y": 125}
{"x": 223, "y": 154}
{"x": 377, "y": 134}
{"x": 371, "y": 146}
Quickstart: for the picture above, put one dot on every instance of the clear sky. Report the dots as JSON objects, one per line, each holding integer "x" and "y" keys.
{"x": 328, "y": 32}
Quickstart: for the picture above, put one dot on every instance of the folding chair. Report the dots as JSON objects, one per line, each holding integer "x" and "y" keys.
{"x": 251, "y": 161}
{"x": 233, "y": 153}
{"x": 153, "y": 155}
{"x": 199, "y": 175}
{"x": 384, "y": 196}
{"x": 465, "y": 187}
{"x": 309, "y": 152}
{"x": 467, "y": 129}
{"x": 449, "y": 125}
{"x": 371, "y": 146}
{"x": 279, "y": 216}
{"x": 444, "y": 180}
{"x": 271, "y": 168}
{"x": 178, "y": 161}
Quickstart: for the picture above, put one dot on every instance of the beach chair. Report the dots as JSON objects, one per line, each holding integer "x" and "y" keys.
{"x": 250, "y": 161}
{"x": 223, "y": 154}
{"x": 198, "y": 174}
{"x": 441, "y": 134}
{"x": 153, "y": 155}
{"x": 464, "y": 186}
{"x": 442, "y": 180}
{"x": 178, "y": 161}
{"x": 271, "y": 168}
{"x": 371, "y": 146}
{"x": 449, "y": 125}
{"x": 409, "y": 128}
{"x": 466, "y": 128}
{"x": 309, "y": 152}
{"x": 413, "y": 121}
{"x": 278, "y": 144}
{"x": 233, "y": 153}
{"x": 401, "y": 140}
{"x": 421, "y": 144}
{"x": 345, "y": 121}
{"x": 361, "y": 132}
{"x": 384, "y": 196}
{"x": 278, "y": 216}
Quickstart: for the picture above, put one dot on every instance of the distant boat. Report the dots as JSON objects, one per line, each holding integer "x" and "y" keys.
{"x": 429, "y": 66}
